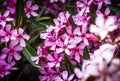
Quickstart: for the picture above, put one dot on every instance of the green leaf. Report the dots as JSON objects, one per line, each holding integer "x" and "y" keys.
{"x": 42, "y": 18}
{"x": 86, "y": 53}
{"x": 19, "y": 12}
{"x": 114, "y": 8}
{"x": 28, "y": 52}
{"x": 68, "y": 65}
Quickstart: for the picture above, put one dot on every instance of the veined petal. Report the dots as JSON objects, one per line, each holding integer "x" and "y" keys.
{"x": 29, "y": 3}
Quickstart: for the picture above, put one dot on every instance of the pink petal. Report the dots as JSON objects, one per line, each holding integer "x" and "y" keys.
{"x": 9, "y": 58}
{"x": 20, "y": 31}
{"x": 59, "y": 50}
{"x": 50, "y": 57}
{"x": 77, "y": 57}
{"x": 6, "y": 13}
{"x": 13, "y": 44}
{"x": 71, "y": 77}
{"x": 27, "y": 37}
{"x": 18, "y": 48}
{"x": 34, "y": 13}
{"x": 100, "y": 21}
{"x": 17, "y": 56}
{"x": 22, "y": 43}
{"x": 51, "y": 64}
{"x": 29, "y": 3}
{"x": 9, "y": 19}
{"x": 2, "y": 33}
{"x": 64, "y": 74}
{"x": 34, "y": 7}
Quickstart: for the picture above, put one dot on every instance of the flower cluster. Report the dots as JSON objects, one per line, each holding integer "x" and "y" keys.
{"x": 66, "y": 42}
{"x": 12, "y": 38}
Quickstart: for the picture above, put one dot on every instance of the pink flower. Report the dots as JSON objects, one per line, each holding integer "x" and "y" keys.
{"x": 8, "y": 34}
{"x": 84, "y": 6}
{"x": 64, "y": 77}
{"x": 21, "y": 37}
{"x": 100, "y": 3}
{"x": 41, "y": 54}
{"x": 12, "y": 50}
{"x": 103, "y": 26}
{"x": 63, "y": 17}
{"x": 81, "y": 20}
{"x": 64, "y": 45}
{"x": 47, "y": 74}
{"x": 30, "y": 10}
{"x": 4, "y": 18}
{"x": 6, "y": 68}
{"x": 54, "y": 60}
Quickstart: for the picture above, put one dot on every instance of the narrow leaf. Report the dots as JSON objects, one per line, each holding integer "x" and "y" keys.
{"x": 86, "y": 53}
{"x": 28, "y": 52}
{"x": 19, "y": 12}
{"x": 68, "y": 65}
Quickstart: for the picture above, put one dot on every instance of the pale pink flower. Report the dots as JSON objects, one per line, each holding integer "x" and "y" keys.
{"x": 54, "y": 60}
{"x": 12, "y": 50}
{"x": 103, "y": 26}
{"x": 65, "y": 77}
{"x": 30, "y": 9}
{"x": 4, "y": 18}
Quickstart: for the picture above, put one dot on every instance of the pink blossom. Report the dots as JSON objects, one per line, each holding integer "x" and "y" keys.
{"x": 84, "y": 6}
{"x": 4, "y": 18}
{"x": 47, "y": 74}
{"x": 21, "y": 37}
{"x": 12, "y": 50}
{"x": 8, "y": 34}
{"x": 64, "y": 77}
{"x": 63, "y": 17}
{"x": 30, "y": 9}
{"x": 54, "y": 60}
{"x": 64, "y": 45}
{"x": 103, "y": 26}
{"x": 100, "y": 3}
{"x": 81, "y": 20}
{"x": 5, "y": 68}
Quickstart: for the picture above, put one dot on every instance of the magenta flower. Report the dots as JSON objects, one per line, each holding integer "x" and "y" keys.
{"x": 21, "y": 37}
{"x": 8, "y": 34}
{"x": 64, "y": 77}
{"x": 12, "y": 50}
{"x": 54, "y": 60}
{"x": 30, "y": 9}
{"x": 4, "y": 18}
{"x": 5, "y": 68}
{"x": 47, "y": 74}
